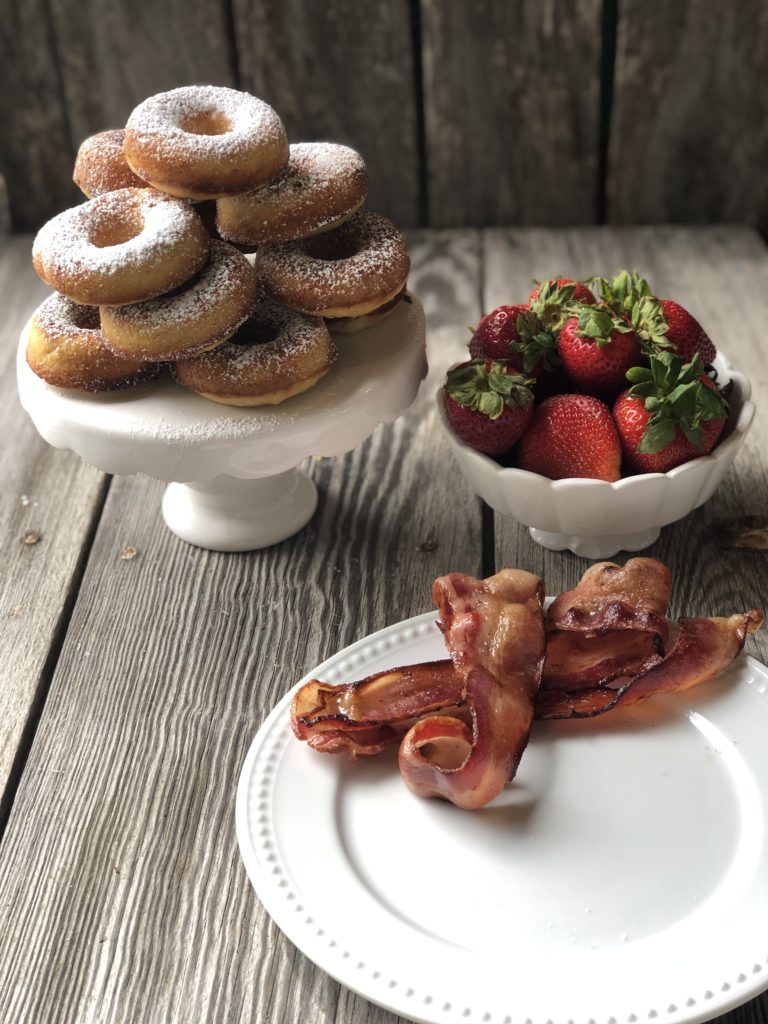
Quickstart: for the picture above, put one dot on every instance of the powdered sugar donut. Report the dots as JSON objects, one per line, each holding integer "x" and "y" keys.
{"x": 201, "y": 314}
{"x": 66, "y": 348}
{"x": 323, "y": 185}
{"x": 276, "y": 354}
{"x": 204, "y": 141}
{"x": 101, "y": 166}
{"x": 123, "y": 246}
{"x": 352, "y": 271}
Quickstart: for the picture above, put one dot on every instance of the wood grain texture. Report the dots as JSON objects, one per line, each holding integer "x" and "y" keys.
{"x": 690, "y": 113}
{"x": 341, "y": 71}
{"x": 36, "y": 152}
{"x": 44, "y": 492}
{"x": 122, "y": 896}
{"x": 114, "y": 53}
{"x": 511, "y": 106}
{"x": 716, "y": 273}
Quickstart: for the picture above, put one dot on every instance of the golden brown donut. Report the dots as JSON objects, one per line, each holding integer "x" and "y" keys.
{"x": 323, "y": 185}
{"x": 276, "y": 354}
{"x": 123, "y": 246}
{"x": 66, "y": 348}
{"x": 351, "y": 271}
{"x": 204, "y": 141}
{"x": 202, "y": 313}
{"x": 101, "y": 166}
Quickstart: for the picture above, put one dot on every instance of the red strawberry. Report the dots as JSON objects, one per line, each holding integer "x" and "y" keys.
{"x": 597, "y": 348}
{"x": 685, "y": 334}
{"x": 571, "y": 436}
{"x": 580, "y": 293}
{"x": 672, "y": 414}
{"x": 495, "y": 333}
{"x": 488, "y": 404}
{"x": 516, "y": 334}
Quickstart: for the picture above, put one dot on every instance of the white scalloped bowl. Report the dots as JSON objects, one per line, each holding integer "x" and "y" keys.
{"x": 593, "y": 518}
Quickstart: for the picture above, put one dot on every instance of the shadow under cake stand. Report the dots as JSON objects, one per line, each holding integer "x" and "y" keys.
{"x": 233, "y": 478}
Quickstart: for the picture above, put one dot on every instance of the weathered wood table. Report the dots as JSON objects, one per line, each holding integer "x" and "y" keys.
{"x": 133, "y": 683}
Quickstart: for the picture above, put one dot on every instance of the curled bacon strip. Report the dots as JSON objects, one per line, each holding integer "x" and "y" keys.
{"x": 609, "y": 597}
{"x": 704, "y": 648}
{"x": 494, "y": 631}
{"x": 363, "y": 718}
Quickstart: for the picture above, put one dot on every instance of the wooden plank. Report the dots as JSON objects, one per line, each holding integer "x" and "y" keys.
{"x": 114, "y": 55}
{"x": 511, "y": 105}
{"x": 37, "y": 151}
{"x": 360, "y": 93}
{"x": 46, "y": 493}
{"x": 713, "y": 272}
{"x": 122, "y": 896}
{"x": 690, "y": 113}
{"x": 5, "y": 208}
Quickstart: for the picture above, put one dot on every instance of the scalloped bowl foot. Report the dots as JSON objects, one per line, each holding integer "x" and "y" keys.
{"x": 594, "y": 547}
{"x": 230, "y": 514}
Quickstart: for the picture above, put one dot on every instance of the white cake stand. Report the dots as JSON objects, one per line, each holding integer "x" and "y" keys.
{"x": 234, "y": 482}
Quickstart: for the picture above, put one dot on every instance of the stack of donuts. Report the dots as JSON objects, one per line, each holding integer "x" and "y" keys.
{"x": 152, "y": 270}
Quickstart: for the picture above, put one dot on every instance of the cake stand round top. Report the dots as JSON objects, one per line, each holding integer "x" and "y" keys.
{"x": 170, "y": 433}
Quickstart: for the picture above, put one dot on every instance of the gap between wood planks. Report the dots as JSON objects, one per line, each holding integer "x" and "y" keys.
{"x": 610, "y": 23}
{"x": 8, "y": 796}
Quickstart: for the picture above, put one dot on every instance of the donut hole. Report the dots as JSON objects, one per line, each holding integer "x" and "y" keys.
{"x": 206, "y": 122}
{"x": 84, "y": 318}
{"x": 116, "y": 229}
{"x": 340, "y": 247}
{"x": 256, "y": 332}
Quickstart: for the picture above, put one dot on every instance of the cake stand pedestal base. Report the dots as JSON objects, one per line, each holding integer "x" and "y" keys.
{"x": 232, "y": 471}
{"x": 229, "y": 514}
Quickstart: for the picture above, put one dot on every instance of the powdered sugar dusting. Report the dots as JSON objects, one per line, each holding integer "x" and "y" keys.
{"x": 69, "y": 350}
{"x": 225, "y": 276}
{"x": 60, "y": 316}
{"x": 64, "y": 246}
{"x": 275, "y": 348}
{"x": 222, "y": 429}
{"x": 160, "y": 121}
{"x": 323, "y": 182}
{"x": 101, "y": 165}
{"x": 363, "y": 257}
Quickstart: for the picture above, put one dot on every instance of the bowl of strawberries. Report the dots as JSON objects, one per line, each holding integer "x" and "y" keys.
{"x": 594, "y": 414}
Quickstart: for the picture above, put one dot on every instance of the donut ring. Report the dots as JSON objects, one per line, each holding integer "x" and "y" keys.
{"x": 348, "y": 272}
{"x": 204, "y": 141}
{"x": 101, "y": 166}
{"x": 323, "y": 185}
{"x": 276, "y": 354}
{"x": 66, "y": 348}
{"x": 123, "y": 246}
{"x": 202, "y": 313}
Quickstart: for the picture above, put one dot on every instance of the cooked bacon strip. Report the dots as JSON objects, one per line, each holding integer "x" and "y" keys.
{"x": 494, "y": 632}
{"x": 362, "y": 718}
{"x": 577, "y": 660}
{"x": 703, "y": 650}
{"x": 609, "y": 597}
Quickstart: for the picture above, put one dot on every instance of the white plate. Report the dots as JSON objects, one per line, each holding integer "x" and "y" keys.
{"x": 622, "y": 877}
